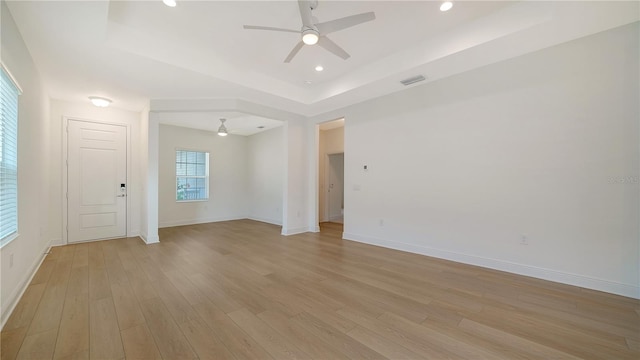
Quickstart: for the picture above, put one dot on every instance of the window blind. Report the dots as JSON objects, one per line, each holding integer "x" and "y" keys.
{"x": 8, "y": 158}
{"x": 192, "y": 175}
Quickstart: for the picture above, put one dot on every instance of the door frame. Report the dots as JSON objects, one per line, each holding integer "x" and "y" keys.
{"x": 327, "y": 178}
{"x": 65, "y": 168}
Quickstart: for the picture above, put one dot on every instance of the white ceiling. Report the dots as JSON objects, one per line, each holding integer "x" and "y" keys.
{"x": 137, "y": 51}
{"x": 236, "y": 123}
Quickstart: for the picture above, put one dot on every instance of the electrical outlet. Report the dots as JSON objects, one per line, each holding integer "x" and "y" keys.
{"x": 381, "y": 222}
{"x": 10, "y": 260}
{"x": 524, "y": 240}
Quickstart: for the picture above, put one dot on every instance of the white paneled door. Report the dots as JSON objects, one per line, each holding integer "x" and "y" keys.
{"x": 96, "y": 181}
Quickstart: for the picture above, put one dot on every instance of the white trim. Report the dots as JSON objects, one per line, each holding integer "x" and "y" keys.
{"x": 65, "y": 166}
{"x": 12, "y": 300}
{"x": 56, "y": 242}
{"x": 314, "y": 229}
{"x": 502, "y": 265}
{"x": 183, "y": 222}
{"x": 13, "y": 79}
{"x": 6, "y": 241}
{"x": 266, "y": 220}
{"x": 300, "y": 230}
{"x": 150, "y": 240}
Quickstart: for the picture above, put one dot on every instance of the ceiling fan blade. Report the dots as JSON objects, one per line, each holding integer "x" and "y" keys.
{"x": 305, "y": 13}
{"x": 252, "y": 27}
{"x": 328, "y": 27}
{"x": 294, "y": 51}
{"x": 332, "y": 47}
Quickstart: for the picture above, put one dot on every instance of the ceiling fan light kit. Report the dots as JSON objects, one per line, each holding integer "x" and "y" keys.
{"x": 310, "y": 37}
{"x": 314, "y": 32}
{"x": 222, "y": 130}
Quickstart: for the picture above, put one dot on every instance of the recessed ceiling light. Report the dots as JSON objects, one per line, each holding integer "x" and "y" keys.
{"x": 446, "y": 6}
{"x": 308, "y": 82}
{"x": 261, "y": 127}
{"x": 100, "y": 101}
{"x": 170, "y": 3}
{"x": 319, "y": 68}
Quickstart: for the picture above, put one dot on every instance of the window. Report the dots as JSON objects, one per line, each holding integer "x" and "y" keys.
{"x": 192, "y": 175}
{"x": 8, "y": 158}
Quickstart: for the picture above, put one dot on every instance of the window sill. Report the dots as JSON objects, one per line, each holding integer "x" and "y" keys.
{"x": 188, "y": 201}
{"x": 6, "y": 241}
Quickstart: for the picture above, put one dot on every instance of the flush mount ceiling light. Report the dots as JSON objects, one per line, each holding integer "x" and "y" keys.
{"x": 446, "y": 6}
{"x": 319, "y": 68}
{"x": 170, "y": 3}
{"x": 222, "y": 130}
{"x": 100, "y": 101}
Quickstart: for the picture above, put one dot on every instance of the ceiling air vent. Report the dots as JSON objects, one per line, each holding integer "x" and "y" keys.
{"x": 412, "y": 80}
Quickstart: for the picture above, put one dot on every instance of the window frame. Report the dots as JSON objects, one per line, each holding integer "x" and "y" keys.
{"x": 207, "y": 164}
{"x": 8, "y": 238}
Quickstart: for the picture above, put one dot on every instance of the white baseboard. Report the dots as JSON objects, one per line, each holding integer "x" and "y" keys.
{"x": 57, "y": 242}
{"x": 314, "y": 229}
{"x": 266, "y": 220}
{"x": 520, "y": 269}
{"x": 17, "y": 293}
{"x": 183, "y": 222}
{"x": 300, "y": 230}
{"x": 150, "y": 239}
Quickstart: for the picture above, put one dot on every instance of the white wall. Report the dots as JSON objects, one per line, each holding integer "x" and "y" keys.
{"x": 86, "y": 111}
{"x": 265, "y": 176}
{"x": 227, "y": 177}
{"x": 544, "y": 145}
{"x": 330, "y": 142}
{"x": 32, "y": 242}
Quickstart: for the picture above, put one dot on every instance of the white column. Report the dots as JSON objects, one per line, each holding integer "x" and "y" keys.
{"x": 150, "y": 137}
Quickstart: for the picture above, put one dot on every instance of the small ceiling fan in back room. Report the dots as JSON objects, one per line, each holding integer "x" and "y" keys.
{"x": 314, "y": 32}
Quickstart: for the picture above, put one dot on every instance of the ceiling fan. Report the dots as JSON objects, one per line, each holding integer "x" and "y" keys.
{"x": 314, "y": 32}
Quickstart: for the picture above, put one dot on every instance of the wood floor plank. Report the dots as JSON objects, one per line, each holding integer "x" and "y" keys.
{"x": 99, "y": 286}
{"x": 529, "y": 348}
{"x": 300, "y": 336}
{"x": 381, "y": 344}
{"x": 45, "y": 270}
{"x": 26, "y": 307}
{"x": 139, "y": 344}
{"x": 177, "y": 305}
{"x": 339, "y": 341}
{"x": 271, "y": 341}
{"x": 126, "y": 305}
{"x": 10, "y": 342}
{"x": 73, "y": 336}
{"x": 239, "y": 289}
{"x": 166, "y": 333}
{"x": 238, "y": 342}
{"x": 142, "y": 287}
{"x": 38, "y": 346}
{"x": 47, "y": 316}
{"x": 204, "y": 343}
{"x": 105, "y": 341}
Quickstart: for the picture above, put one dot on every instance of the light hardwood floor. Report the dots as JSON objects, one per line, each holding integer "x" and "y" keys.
{"x": 239, "y": 290}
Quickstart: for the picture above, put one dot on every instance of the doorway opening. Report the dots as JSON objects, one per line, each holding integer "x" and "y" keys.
{"x": 331, "y": 202}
